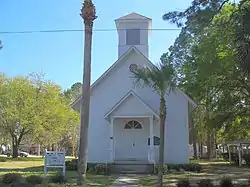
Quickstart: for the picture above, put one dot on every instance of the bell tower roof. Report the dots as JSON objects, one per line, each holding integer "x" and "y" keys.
{"x": 134, "y": 17}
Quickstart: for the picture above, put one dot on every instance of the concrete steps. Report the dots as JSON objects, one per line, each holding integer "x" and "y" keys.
{"x": 131, "y": 167}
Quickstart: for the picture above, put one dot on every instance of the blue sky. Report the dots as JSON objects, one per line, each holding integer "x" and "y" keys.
{"x": 60, "y": 55}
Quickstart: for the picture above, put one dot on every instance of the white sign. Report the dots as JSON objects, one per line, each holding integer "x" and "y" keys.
{"x": 54, "y": 159}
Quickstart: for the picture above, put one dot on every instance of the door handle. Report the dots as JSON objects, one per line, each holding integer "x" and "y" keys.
{"x": 133, "y": 144}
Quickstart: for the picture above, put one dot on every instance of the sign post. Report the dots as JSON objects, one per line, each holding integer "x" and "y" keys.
{"x": 54, "y": 159}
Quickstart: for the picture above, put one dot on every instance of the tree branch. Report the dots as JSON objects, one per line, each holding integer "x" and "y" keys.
{"x": 221, "y": 6}
{"x": 21, "y": 135}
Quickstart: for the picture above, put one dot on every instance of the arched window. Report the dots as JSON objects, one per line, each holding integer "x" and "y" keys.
{"x": 133, "y": 125}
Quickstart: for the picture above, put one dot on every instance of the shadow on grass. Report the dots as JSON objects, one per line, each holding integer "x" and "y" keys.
{"x": 213, "y": 171}
{"x": 37, "y": 169}
{"x": 92, "y": 179}
{"x": 24, "y": 159}
{"x": 10, "y": 159}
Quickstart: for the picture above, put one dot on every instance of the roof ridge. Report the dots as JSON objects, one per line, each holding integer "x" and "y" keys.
{"x": 133, "y": 13}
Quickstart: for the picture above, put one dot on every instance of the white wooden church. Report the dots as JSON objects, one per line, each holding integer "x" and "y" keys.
{"x": 124, "y": 119}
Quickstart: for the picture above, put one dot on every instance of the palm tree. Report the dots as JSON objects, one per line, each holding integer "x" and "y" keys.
{"x": 89, "y": 15}
{"x": 161, "y": 78}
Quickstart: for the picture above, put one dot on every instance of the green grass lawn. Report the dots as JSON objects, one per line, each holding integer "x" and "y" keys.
{"x": 211, "y": 170}
{"x": 30, "y": 166}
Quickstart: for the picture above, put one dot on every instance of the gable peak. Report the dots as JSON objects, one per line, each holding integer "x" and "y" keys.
{"x": 133, "y": 16}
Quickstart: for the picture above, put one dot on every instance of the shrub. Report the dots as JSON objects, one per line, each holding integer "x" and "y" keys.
{"x": 246, "y": 157}
{"x": 99, "y": 169}
{"x": 34, "y": 179}
{"x": 176, "y": 167}
{"x": 58, "y": 178}
{"x": 226, "y": 182}
{"x": 244, "y": 185}
{"x": 205, "y": 183}
{"x": 3, "y": 159}
{"x": 225, "y": 156}
{"x": 71, "y": 165}
{"x": 204, "y": 157}
{"x": 183, "y": 183}
{"x": 21, "y": 184}
{"x": 234, "y": 157}
{"x": 12, "y": 178}
{"x": 91, "y": 167}
{"x": 191, "y": 167}
{"x": 156, "y": 169}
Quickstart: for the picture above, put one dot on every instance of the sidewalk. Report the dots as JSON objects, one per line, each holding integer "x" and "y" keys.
{"x": 129, "y": 180}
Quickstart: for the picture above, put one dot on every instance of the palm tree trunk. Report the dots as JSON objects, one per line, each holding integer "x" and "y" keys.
{"x": 162, "y": 139}
{"x": 88, "y": 14}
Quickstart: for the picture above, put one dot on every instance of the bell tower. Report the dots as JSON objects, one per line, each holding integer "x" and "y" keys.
{"x": 133, "y": 30}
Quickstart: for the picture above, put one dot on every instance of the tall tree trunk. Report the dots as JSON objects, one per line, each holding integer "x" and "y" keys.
{"x": 73, "y": 150}
{"x": 16, "y": 142}
{"x": 73, "y": 142}
{"x": 53, "y": 147}
{"x": 38, "y": 150}
{"x": 209, "y": 146}
{"x": 193, "y": 131}
{"x": 213, "y": 145}
{"x": 163, "y": 114}
{"x": 14, "y": 147}
{"x": 201, "y": 149}
{"x": 88, "y": 14}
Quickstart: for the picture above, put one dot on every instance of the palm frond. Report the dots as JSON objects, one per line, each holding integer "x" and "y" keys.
{"x": 143, "y": 76}
{"x": 169, "y": 75}
{"x": 160, "y": 77}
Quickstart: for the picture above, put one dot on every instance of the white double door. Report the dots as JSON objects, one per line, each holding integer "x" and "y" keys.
{"x": 133, "y": 144}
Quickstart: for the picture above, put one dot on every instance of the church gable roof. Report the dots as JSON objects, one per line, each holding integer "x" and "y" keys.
{"x": 108, "y": 71}
{"x": 132, "y": 49}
